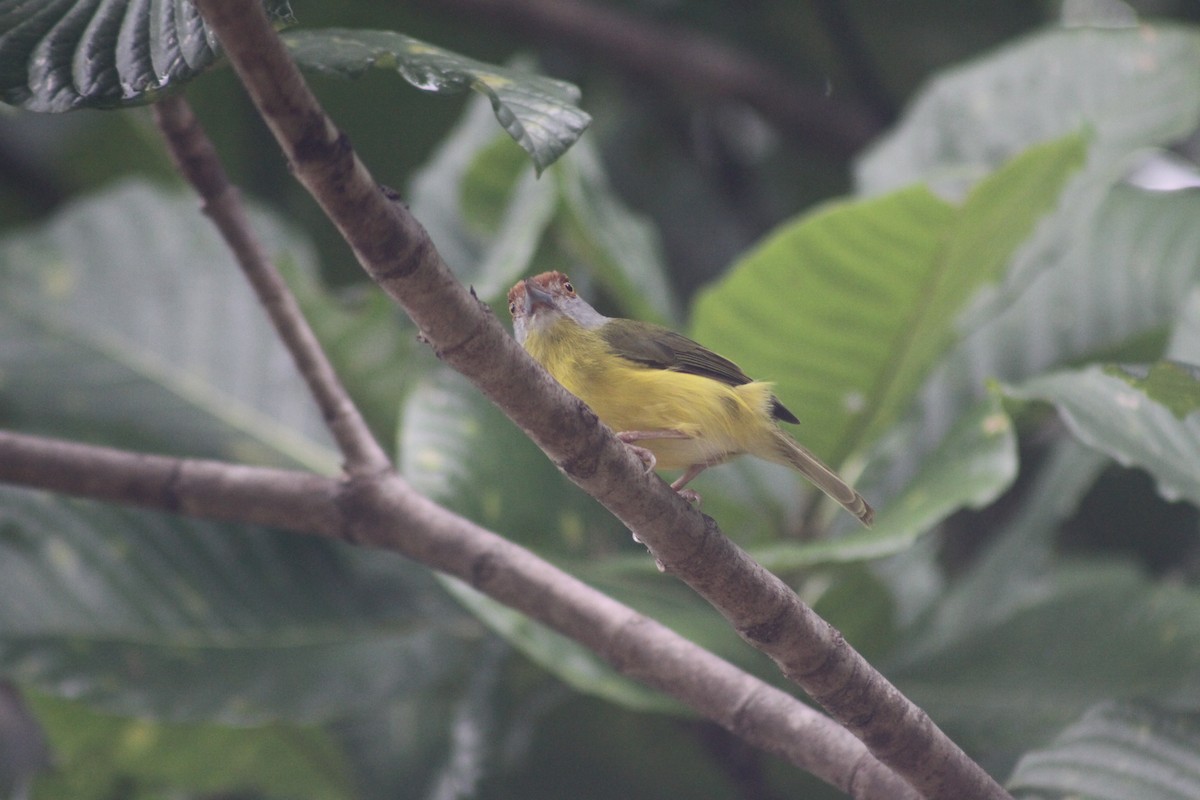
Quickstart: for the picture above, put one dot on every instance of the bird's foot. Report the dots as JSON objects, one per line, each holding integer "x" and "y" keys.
{"x": 647, "y": 458}
{"x": 690, "y": 495}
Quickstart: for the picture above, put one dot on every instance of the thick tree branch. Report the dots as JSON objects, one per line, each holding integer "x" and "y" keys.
{"x": 197, "y": 159}
{"x": 382, "y": 511}
{"x": 397, "y": 253}
{"x": 684, "y": 59}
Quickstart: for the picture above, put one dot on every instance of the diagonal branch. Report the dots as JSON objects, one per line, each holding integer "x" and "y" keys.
{"x": 395, "y": 250}
{"x": 197, "y": 159}
{"x": 382, "y": 511}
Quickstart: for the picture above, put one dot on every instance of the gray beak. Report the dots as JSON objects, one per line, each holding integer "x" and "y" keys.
{"x": 536, "y": 296}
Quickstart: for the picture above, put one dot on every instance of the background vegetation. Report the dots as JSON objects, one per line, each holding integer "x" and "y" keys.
{"x": 969, "y": 259}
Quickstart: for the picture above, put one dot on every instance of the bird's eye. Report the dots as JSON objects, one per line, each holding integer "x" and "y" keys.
{"x": 568, "y": 288}
{"x": 512, "y": 309}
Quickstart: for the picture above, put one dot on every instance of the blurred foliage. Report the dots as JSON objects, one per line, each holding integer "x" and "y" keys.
{"x": 997, "y": 336}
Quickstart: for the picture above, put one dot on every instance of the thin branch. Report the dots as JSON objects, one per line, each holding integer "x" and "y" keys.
{"x": 197, "y": 159}
{"x": 396, "y": 251}
{"x": 839, "y": 25}
{"x": 382, "y": 511}
{"x": 647, "y": 50}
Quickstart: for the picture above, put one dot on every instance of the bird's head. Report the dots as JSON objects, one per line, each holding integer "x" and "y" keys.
{"x": 539, "y": 302}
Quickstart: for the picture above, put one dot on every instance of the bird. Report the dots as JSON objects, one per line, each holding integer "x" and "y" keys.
{"x": 676, "y": 403}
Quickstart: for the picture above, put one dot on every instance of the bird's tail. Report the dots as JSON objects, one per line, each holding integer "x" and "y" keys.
{"x": 789, "y": 452}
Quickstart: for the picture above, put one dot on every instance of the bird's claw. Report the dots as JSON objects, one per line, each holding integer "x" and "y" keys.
{"x": 691, "y": 496}
{"x": 647, "y": 458}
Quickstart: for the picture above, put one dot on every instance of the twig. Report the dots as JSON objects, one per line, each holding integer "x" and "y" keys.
{"x": 197, "y": 159}
{"x": 382, "y": 511}
{"x": 653, "y": 51}
{"x": 397, "y": 253}
{"x": 839, "y": 25}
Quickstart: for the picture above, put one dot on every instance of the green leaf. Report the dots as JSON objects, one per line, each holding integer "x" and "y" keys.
{"x": 1071, "y": 292}
{"x": 1116, "y": 751}
{"x": 462, "y": 192}
{"x": 99, "y": 756}
{"x": 1014, "y": 566}
{"x": 147, "y": 614}
{"x": 1134, "y": 88}
{"x": 1084, "y": 301}
{"x": 458, "y": 449}
{"x": 971, "y": 467}
{"x": 402, "y": 745}
{"x": 69, "y": 54}
{"x": 1085, "y": 633}
{"x": 564, "y": 658}
{"x": 124, "y": 320}
{"x": 1168, "y": 383}
{"x": 539, "y": 113}
{"x": 127, "y": 329}
{"x": 1122, "y": 414}
{"x": 848, "y": 310}
{"x": 862, "y": 608}
{"x": 1184, "y": 344}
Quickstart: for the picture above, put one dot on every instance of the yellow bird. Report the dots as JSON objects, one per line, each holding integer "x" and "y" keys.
{"x": 686, "y": 407}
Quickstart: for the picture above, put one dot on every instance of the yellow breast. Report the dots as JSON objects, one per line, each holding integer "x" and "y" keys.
{"x": 721, "y": 421}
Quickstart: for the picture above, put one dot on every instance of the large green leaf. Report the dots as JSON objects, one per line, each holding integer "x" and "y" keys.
{"x": 1085, "y": 633}
{"x": 1014, "y": 567}
{"x": 1116, "y": 751}
{"x": 972, "y": 466}
{"x": 1121, "y": 274}
{"x": 1139, "y": 416}
{"x": 1135, "y": 88}
{"x": 68, "y": 54}
{"x": 539, "y": 113}
{"x": 1112, "y": 262}
{"x": 99, "y": 756}
{"x": 125, "y": 321}
{"x": 848, "y": 310}
{"x": 147, "y": 614}
{"x": 126, "y": 318}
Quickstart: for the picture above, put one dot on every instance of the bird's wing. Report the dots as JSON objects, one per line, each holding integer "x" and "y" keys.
{"x": 661, "y": 348}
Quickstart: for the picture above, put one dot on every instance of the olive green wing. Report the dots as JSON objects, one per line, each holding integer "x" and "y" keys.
{"x": 661, "y": 348}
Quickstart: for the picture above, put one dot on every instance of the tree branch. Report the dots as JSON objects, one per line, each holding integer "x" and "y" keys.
{"x": 839, "y": 25}
{"x": 687, "y": 60}
{"x": 382, "y": 511}
{"x": 197, "y": 159}
{"x": 395, "y": 250}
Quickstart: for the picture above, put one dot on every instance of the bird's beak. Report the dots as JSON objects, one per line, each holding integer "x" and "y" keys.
{"x": 536, "y": 296}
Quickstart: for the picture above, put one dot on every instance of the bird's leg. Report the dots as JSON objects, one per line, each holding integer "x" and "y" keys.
{"x": 691, "y": 495}
{"x": 636, "y": 436}
{"x": 629, "y": 437}
{"x": 647, "y": 457}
